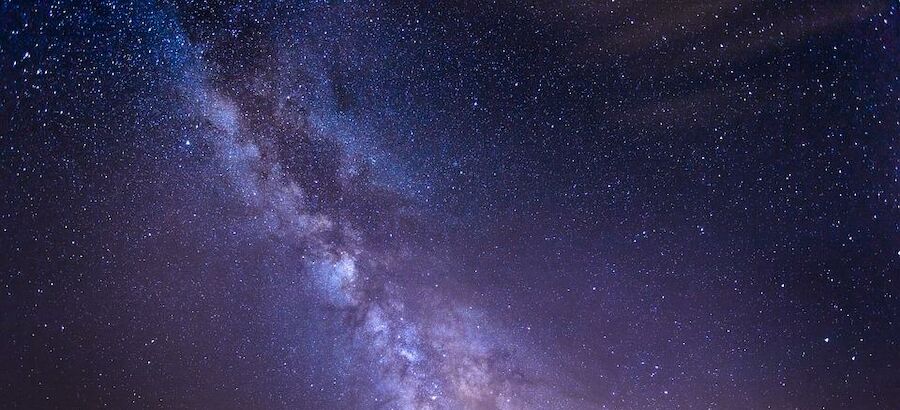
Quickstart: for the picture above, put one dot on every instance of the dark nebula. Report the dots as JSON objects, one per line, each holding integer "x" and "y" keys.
{"x": 449, "y": 205}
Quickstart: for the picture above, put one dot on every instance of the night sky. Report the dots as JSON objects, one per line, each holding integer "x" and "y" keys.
{"x": 450, "y": 205}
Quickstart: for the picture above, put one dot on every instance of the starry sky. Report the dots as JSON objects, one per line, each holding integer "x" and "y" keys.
{"x": 296, "y": 204}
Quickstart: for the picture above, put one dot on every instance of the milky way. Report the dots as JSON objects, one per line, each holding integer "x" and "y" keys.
{"x": 503, "y": 205}
{"x": 433, "y": 356}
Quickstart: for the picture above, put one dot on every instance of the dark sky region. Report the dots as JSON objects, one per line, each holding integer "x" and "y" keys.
{"x": 449, "y": 205}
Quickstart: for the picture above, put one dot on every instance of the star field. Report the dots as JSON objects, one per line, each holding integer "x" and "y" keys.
{"x": 449, "y": 205}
